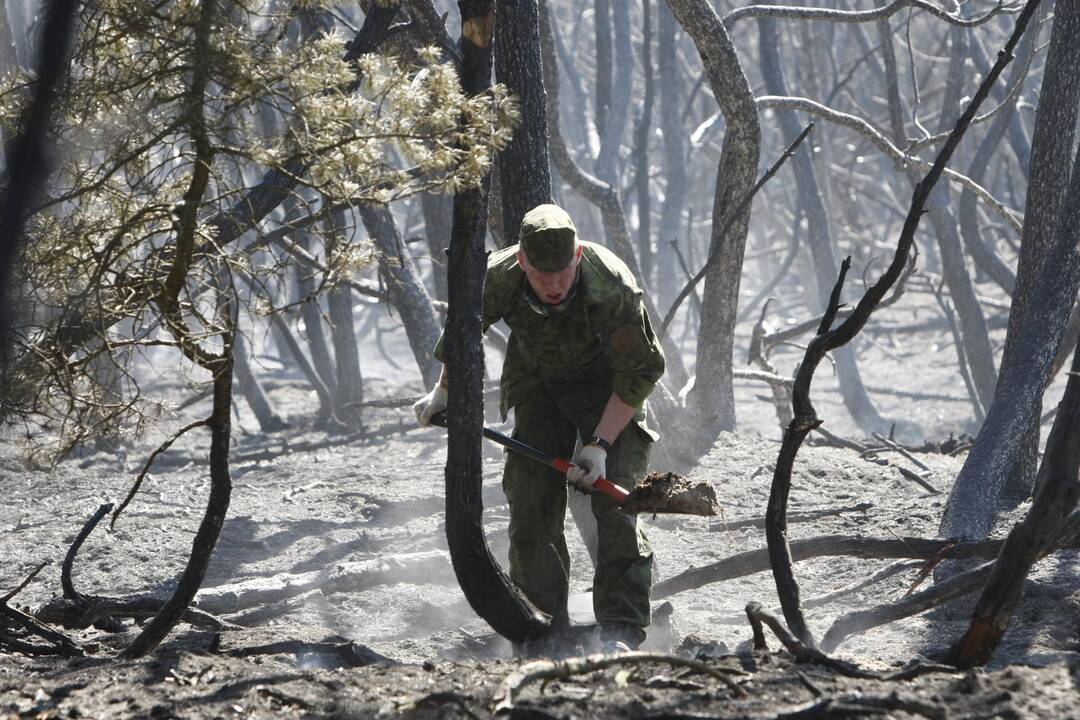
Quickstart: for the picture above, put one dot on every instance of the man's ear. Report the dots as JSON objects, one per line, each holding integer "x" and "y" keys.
{"x": 578, "y": 250}
{"x": 521, "y": 259}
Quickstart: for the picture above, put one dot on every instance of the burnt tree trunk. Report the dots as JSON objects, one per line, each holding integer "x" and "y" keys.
{"x": 523, "y": 164}
{"x": 1008, "y": 441}
{"x": 489, "y": 591}
{"x": 1059, "y": 492}
{"x": 404, "y": 290}
{"x": 819, "y": 236}
{"x": 251, "y": 389}
{"x": 714, "y": 392}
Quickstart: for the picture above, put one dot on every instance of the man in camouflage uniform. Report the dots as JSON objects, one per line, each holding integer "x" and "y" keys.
{"x": 580, "y": 361}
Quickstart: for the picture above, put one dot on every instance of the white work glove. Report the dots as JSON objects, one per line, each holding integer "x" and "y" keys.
{"x": 433, "y": 402}
{"x": 590, "y": 464}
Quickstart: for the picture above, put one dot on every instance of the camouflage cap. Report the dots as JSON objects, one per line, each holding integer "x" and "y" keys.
{"x": 548, "y": 238}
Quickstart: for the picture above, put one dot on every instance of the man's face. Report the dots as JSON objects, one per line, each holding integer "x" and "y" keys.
{"x": 551, "y": 287}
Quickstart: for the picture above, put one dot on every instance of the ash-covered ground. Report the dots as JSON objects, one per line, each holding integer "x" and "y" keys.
{"x": 355, "y": 525}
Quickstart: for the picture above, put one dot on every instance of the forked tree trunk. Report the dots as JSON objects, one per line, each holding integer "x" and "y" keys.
{"x": 524, "y": 162}
{"x": 714, "y": 392}
{"x": 1008, "y": 441}
{"x": 611, "y": 135}
{"x": 489, "y": 591}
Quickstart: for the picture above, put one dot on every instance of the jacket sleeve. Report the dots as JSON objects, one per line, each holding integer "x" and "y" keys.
{"x": 635, "y": 353}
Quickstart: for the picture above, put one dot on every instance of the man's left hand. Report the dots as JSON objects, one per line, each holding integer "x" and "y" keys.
{"x": 590, "y": 464}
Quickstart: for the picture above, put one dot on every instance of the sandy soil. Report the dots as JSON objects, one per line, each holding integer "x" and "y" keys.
{"x": 377, "y": 499}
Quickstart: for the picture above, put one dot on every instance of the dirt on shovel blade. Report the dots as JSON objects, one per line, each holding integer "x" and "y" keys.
{"x": 671, "y": 493}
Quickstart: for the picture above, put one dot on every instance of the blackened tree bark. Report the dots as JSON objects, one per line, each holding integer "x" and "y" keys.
{"x": 642, "y": 131}
{"x": 714, "y": 393}
{"x": 251, "y": 389}
{"x": 1008, "y": 441}
{"x": 671, "y": 124}
{"x": 438, "y": 210}
{"x": 404, "y": 290}
{"x": 487, "y": 588}
{"x": 339, "y": 301}
{"x": 1059, "y": 492}
{"x": 819, "y": 235}
{"x": 523, "y": 164}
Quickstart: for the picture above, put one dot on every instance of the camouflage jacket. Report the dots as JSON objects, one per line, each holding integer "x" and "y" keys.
{"x": 603, "y": 333}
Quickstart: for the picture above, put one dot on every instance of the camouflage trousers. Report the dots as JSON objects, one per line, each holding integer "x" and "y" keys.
{"x": 539, "y": 561}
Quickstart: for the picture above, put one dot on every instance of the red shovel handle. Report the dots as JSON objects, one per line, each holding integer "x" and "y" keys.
{"x": 604, "y": 485}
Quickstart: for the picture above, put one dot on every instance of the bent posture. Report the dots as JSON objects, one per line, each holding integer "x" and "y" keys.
{"x": 580, "y": 362}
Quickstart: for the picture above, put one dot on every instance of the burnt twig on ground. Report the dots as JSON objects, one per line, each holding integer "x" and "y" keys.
{"x": 795, "y": 517}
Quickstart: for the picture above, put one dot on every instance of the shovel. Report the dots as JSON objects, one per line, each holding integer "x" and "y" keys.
{"x": 657, "y": 493}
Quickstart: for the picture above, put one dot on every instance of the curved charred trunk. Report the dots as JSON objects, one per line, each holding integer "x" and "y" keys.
{"x": 525, "y": 159}
{"x": 217, "y": 506}
{"x": 404, "y": 290}
{"x": 489, "y": 591}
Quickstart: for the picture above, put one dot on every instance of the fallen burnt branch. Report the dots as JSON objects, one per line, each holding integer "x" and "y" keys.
{"x": 941, "y": 592}
{"x": 22, "y": 586}
{"x": 545, "y": 670}
{"x": 829, "y": 338}
{"x": 857, "y": 705}
{"x": 755, "y": 561}
{"x": 11, "y": 619}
